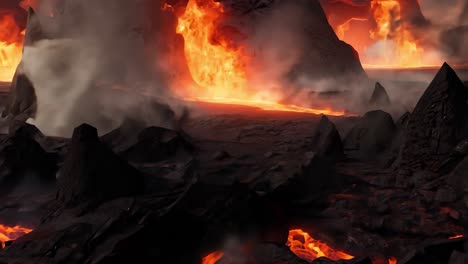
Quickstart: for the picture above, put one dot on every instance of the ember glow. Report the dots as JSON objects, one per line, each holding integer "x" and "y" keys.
{"x": 11, "y": 45}
{"x": 456, "y": 237}
{"x": 212, "y": 258}
{"x": 217, "y": 63}
{"x": 309, "y": 249}
{"x": 392, "y": 260}
{"x": 12, "y": 233}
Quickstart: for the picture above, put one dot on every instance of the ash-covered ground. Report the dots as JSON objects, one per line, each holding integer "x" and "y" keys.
{"x": 373, "y": 186}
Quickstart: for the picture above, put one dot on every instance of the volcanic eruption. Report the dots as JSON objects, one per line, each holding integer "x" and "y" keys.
{"x": 232, "y": 132}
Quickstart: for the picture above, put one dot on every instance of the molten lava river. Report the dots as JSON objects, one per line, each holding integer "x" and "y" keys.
{"x": 12, "y": 233}
{"x": 218, "y": 66}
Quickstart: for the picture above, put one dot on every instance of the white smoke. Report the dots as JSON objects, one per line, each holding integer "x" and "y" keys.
{"x": 95, "y": 69}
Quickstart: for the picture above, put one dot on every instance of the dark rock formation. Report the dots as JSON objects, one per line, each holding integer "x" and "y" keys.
{"x": 379, "y": 97}
{"x": 326, "y": 141}
{"x": 458, "y": 178}
{"x": 155, "y": 144}
{"x": 321, "y": 53}
{"x": 439, "y": 122}
{"x": 23, "y": 159}
{"x": 437, "y": 252}
{"x": 93, "y": 172}
{"x": 372, "y": 135}
{"x": 123, "y": 137}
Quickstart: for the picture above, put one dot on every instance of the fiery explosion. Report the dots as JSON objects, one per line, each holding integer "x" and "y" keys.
{"x": 309, "y": 249}
{"x": 12, "y": 233}
{"x": 217, "y": 63}
{"x": 11, "y": 45}
{"x": 391, "y": 42}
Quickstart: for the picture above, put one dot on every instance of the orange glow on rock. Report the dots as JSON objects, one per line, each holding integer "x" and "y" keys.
{"x": 11, "y": 47}
{"x": 12, "y": 233}
{"x": 392, "y": 260}
{"x": 212, "y": 258}
{"x": 309, "y": 249}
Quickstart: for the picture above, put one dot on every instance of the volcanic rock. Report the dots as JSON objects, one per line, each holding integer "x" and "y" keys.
{"x": 124, "y": 136}
{"x": 155, "y": 144}
{"x": 458, "y": 179}
{"x": 379, "y": 97}
{"x": 437, "y": 252}
{"x": 438, "y": 123}
{"x": 22, "y": 158}
{"x": 22, "y": 99}
{"x": 321, "y": 54}
{"x": 326, "y": 141}
{"x": 372, "y": 135}
{"x": 93, "y": 172}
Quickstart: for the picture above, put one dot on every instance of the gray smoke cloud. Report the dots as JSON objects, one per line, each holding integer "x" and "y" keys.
{"x": 94, "y": 69}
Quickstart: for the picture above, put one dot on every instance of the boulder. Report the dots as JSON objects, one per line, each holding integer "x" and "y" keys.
{"x": 155, "y": 144}
{"x": 379, "y": 97}
{"x": 326, "y": 140}
{"x": 23, "y": 159}
{"x": 458, "y": 178}
{"x": 92, "y": 172}
{"x": 372, "y": 135}
{"x": 438, "y": 123}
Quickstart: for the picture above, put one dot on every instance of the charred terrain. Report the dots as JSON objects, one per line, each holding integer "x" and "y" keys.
{"x": 246, "y": 174}
{"x": 382, "y": 179}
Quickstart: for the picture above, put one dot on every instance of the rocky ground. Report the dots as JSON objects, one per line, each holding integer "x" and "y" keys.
{"x": 369, "y": 186}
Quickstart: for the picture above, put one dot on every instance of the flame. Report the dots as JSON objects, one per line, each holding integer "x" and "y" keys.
{"x": 12, "y": 233}
{"x": 392, "y": 260}
{"x": 11, "y": 45}
{"x": 309, "y": 249}
{"x": 392, "y": 42}
{"x": 456, "y": 236}
{"x": 217, "y": 63}
{"x": 213, "y": 257}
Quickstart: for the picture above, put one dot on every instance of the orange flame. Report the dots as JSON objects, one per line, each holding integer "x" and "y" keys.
{"x": 403, "y": 50}
{"x": 394, "y": 44}
{"x": 212, "y": 258}
{"x": 392, "y": 260}
{"x": 11, "y": 45}
{"x": 456, "y": 236}
{"x": 214, "y": 63}
{"x": 12, "y": 233}
{"x": 217, "y": 63}
{"x": 309, "y": 249}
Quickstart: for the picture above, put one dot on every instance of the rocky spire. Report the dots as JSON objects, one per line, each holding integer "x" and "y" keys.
{"x": 438, "y": 123}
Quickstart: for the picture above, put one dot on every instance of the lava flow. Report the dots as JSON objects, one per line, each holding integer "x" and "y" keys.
{"x": 309, "y": 249}
{"x": 11, "y": 45}
{"x": 217, "y": 63}
{"x": 212, "y": 258}
{"x": 12, "y": 233}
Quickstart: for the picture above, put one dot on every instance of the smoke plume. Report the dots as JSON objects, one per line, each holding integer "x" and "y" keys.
{"x": 94, "y": 68}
